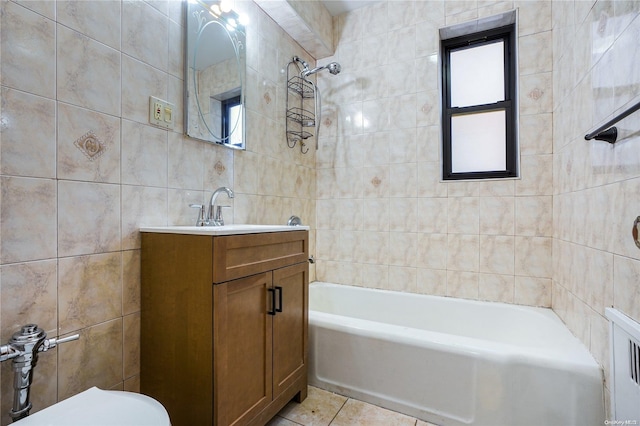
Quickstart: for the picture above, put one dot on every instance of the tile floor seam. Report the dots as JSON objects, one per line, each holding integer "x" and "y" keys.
{"x": 338, "y": 412}
{"x": 292, "y": 421}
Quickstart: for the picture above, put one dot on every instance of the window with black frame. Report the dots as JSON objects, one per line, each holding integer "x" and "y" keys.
{"x": 479, "y": 108}
{"x": 231, "y": 118}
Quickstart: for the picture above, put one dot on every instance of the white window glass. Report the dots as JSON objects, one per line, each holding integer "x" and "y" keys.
{"x": 235, "y": 115}
{"x": 478, "y": 142}
{"x": 477, "y": 75}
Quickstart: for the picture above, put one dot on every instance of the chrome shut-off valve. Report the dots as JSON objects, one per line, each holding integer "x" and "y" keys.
{"x": 22, "y": 349}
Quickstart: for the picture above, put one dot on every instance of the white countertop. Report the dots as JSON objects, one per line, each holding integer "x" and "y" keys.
{"x": 222, "y": 230}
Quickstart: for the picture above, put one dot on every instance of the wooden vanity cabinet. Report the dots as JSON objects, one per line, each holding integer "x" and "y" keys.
{"x": 224, "y": 325}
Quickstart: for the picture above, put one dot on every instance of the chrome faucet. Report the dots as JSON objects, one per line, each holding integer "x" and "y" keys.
{"x": 214, "y": 217}
{"x": 23, "y": 348}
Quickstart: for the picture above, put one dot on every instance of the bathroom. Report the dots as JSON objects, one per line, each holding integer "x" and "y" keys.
{"x": 74, "y": 73}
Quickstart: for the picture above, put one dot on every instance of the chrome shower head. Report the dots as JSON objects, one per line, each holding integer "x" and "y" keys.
{"x": 333, "y": 67}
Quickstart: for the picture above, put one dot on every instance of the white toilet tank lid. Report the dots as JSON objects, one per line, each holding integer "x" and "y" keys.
{"x": 97, "y": 407}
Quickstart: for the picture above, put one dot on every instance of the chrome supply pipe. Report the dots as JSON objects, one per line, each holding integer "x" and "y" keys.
{"x": 22, "y": 349}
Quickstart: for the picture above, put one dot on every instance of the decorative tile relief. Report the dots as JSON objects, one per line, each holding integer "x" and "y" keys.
{"x": 90, "y": 145}
{"x": 376, "y": 182}
{"x": 101, "y": 145}
{"x": 536, "y": 93}
{"x": 219, "y": 168}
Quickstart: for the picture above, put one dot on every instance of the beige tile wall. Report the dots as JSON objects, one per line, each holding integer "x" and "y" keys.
{"x": 384, "y": 218}
{"x": 596, "y": 185}
{"x": 69, "y": 247}
{"x": 73, "y": 71}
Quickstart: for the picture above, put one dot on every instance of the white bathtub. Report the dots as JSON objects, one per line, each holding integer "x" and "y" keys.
{"x": 451, "y": 361}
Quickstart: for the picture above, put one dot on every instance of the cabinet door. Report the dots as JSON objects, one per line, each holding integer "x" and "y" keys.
{"x": 242, "y": 349}
{"x": 290, "y": 325}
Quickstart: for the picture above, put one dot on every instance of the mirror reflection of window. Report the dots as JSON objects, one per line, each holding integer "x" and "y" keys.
{"x": 231, "y": 121}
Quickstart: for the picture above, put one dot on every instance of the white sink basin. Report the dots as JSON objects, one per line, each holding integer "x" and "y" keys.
{"x": 222, "y": 230}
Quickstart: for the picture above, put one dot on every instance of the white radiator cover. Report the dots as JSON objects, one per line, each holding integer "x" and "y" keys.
{"x": 625, "y": 366}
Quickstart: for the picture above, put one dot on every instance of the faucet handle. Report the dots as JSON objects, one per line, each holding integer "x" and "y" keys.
{"x": 8, "y": 352}
{"x": 201, "y": 221}
{"x": 55, "y": 341}
{"x": 218, "y": 219}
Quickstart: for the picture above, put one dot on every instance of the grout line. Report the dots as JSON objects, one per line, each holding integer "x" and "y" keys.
{"x": 338, "y": 412}
{"x": 289, "y": 420}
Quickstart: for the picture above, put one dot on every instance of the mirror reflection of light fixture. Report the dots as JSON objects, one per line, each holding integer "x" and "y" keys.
{"x": 225, "y": 5}
{"x": 215, "y": 9}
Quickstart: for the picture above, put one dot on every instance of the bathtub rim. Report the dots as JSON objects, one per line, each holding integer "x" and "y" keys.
{"x": 576, "y": 358}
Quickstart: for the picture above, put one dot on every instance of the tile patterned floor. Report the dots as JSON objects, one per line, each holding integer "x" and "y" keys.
{"x": 322, "y": 408}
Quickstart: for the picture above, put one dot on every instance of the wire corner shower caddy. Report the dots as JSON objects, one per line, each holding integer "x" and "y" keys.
{"x": 302, "y": 95}
{"x": 299, "y": 119}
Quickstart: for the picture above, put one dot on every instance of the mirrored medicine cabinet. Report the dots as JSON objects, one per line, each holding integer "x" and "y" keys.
{"x": 214, "y": 79}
